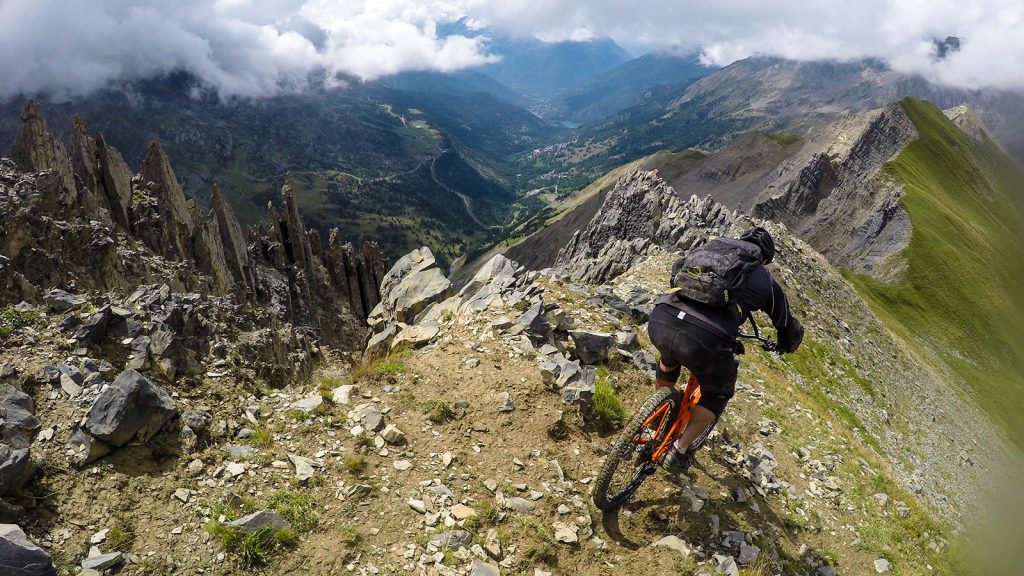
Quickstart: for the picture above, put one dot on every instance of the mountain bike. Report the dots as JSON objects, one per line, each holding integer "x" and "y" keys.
{"x": 649, "y": 435}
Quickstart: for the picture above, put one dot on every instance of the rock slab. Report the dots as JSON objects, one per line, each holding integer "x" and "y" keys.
{"x": 130, "y": 407}
{"x": 20, "y": 557}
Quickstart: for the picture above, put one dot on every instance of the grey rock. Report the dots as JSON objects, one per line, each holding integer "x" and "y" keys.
{"x": 882, "y": 566}
{"x": 197, "y": 420}
{"x": 86, "y": 449}
{"x": 418, "y": 291}
{"x": 415, "y": 336}
{"x": 452, "y": 540}
{"x": 505, "y": 401}
{"x": 16, "y": 468}
{"x": 380, "y": 342}
{"x": 259, "y": 520}
{"x": 625, "y": 340}
{"x": 131, "y": 406}
{"x": 304, "y": 467}
{"x": 481, "y": 568}
{"x": 20, "y": 557}
{"x": 673, "y": 542}
{"x": 567, "y": 372}
{"x": 308, "y": 403}
{"x": 519, "y": 504}
{"x": 536, "y": 324}
{"x": 592, "y": 347}
{"x": 18, "y": 424}
{"x": 748, "y": 554}
{"x": 392, "y": 435}
{"x": 726, "y": 565}
{"x": 61, "y": 301}
{"x": 240, "y": 451}
{"x": 371, "y": 418}
{"x": 549, "y": 372}
{"x": 581, "y": 390}
{"x": 94, "y": 328}
{"x": 413, "y": 262}
{"x": 103, "y": 561}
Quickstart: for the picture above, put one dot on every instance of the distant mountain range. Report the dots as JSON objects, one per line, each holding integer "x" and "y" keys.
{"x": 622, "y": 86}
{"x": 454, "y": 160}
{"x": 541, "y": 70}
{"x": 766, "y": 94}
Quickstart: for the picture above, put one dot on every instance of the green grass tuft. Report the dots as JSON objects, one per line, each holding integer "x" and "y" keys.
{"x": 438, "y": 411}
{"x": 608, "y": 412}
{"x": 356, "y": 466}
{"x": 261, "y": 438}
{"x": 12, "y": 319}
{"x": 297, "y": 508}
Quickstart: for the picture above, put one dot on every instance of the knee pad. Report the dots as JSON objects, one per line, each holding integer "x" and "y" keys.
{"x": 669, "y": 376}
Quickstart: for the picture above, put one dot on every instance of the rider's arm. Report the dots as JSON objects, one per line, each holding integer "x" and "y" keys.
{"x": 774, "y": 303}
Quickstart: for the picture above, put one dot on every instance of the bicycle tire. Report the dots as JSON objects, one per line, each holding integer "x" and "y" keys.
{"x": 625, "y": 445}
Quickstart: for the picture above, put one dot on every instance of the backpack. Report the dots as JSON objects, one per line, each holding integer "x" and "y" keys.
{"x": 714, "y": 272}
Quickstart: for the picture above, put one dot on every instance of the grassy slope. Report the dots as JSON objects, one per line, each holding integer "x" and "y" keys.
{"x": 960, "y": 297}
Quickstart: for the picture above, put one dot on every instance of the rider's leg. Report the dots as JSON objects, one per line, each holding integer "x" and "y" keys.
{"x": 717, "y": 387}
{"x": 667, "y": 373}
{"x": 700, "y": 419}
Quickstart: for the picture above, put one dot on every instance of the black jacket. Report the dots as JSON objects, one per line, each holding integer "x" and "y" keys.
{"x": 760, "y": 292}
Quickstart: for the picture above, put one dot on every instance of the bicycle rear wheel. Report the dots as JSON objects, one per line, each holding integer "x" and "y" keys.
{"x": 630, "y": 462}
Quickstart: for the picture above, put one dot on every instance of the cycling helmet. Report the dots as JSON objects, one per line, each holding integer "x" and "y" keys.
{"x": 763, "y": 240}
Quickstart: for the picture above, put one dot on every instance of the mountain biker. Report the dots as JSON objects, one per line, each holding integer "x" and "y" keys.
{"x": 703, "y": 339}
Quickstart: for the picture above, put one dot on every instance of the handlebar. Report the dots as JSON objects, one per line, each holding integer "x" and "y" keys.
{"x": 767, "y": 344}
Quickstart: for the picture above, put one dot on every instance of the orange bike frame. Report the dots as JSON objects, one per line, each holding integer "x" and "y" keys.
{"x": 690, "y": 397}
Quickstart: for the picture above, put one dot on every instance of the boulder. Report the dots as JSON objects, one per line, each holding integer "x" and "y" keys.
{"x": 61, "y": 301}
{"x": 130, "y": 407}
{"x": 411, "y": 263}
{"x": 20, "y": 557}
{"x": 416, "y": 292}
{"x": 380, "y": 342}
{"x": 16, "y": 468}
{"x": 94, "y": 328}
{"x": 85, "y": 448}
{"x": 592, "y": 347}
{"x": 581, "y": 390}
{"x": 259, "y": 520}
{"x": 18, "y": 425}
{"x": 415, "y": 336}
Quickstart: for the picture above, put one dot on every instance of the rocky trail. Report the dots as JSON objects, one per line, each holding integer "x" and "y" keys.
{"x": 171, "y": 428}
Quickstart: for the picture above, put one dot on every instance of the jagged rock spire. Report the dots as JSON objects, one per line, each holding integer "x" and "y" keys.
{"x": 236, "y": 253}
{"x": 295, "y": 237}
{"x": 117, "y": 182}
{"x": 36, "y": 150}
{"x": 156, "y": 169}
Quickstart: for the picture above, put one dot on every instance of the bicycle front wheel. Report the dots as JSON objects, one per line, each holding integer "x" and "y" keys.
{"x": 630, "y": 460}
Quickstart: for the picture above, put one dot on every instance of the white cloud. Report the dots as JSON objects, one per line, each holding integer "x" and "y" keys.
{"x": 253, "y": 48}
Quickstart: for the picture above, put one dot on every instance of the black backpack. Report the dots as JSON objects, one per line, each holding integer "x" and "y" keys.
{"x": 714, "y": 272}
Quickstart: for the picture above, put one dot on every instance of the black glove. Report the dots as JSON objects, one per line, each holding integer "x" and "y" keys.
{"x": 791, "y": 336}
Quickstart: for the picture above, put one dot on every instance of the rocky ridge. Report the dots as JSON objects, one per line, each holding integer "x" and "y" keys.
{"x": 82, "y": 220}
{"x": 835, "y": 194}
{"x": 116, "y": 288}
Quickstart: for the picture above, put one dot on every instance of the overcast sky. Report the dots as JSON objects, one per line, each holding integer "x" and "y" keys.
{"x": 255, "y": 48}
